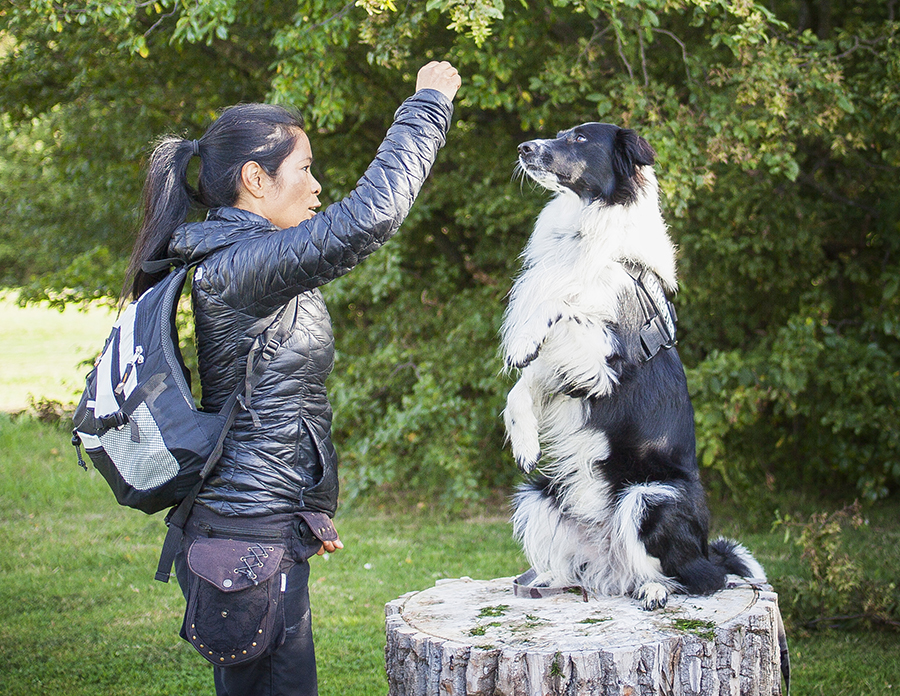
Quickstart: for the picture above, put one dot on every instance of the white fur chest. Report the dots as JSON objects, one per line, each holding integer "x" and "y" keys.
{"x": 570, "y": 274}
{"x": 572, "y": 267}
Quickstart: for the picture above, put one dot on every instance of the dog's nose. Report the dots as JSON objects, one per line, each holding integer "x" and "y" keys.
{"x": 526, "y": 148}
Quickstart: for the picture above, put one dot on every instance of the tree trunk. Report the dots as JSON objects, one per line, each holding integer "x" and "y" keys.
{"x": 476, "y": 637}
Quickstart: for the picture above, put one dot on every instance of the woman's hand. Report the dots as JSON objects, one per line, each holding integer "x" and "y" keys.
{"x": 440, "y": 76}
{"x": 330, "y": 547}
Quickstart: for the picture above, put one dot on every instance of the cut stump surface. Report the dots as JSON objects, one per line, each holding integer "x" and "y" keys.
{"x": 475, "y": 637}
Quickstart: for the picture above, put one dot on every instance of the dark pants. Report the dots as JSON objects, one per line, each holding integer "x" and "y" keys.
{"x": 291, "y": 669}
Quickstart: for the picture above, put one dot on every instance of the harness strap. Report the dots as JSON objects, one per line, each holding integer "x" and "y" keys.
{"x": 522, "y": 587}
{"x": 658, "y": 331}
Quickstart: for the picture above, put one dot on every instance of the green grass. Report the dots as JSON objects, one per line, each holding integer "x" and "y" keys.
{"x": 81, "y": 615}
{"x": 41, "y": 351}
{"x": 80, "y": 612}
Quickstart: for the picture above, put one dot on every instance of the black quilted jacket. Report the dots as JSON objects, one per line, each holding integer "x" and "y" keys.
{"x": 251, "y": 269}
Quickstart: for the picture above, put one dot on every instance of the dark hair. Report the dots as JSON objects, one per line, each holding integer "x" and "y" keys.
{"x": 261, "y": 133}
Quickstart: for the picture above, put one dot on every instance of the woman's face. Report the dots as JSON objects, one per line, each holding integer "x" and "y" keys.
{"x": 294, "y": 192}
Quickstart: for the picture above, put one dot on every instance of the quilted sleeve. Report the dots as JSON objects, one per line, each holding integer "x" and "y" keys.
{"x": 266, "y": 272}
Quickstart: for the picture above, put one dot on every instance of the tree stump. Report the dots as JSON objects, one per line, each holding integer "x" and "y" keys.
{"x": 476, "y": 637}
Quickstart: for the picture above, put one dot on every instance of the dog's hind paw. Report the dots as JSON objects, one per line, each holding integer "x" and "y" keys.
{"x": 653, "y": 596}
{"x": 545, "y": 579}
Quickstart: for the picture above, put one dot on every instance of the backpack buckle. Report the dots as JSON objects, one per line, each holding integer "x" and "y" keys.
{"x": 113, "y": 420}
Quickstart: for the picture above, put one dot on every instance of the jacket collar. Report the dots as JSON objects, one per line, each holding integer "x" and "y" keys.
{"x": 222, "y": 228}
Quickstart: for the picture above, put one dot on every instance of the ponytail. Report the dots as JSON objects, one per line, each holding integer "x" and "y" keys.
{"x": 261, "y": 133}
{"x": 167, "y": 200}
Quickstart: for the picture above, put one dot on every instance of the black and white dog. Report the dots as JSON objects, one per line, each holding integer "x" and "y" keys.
{"x": 602, "y": 399}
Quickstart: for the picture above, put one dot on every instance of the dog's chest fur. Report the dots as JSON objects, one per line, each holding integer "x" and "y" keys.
{"x": 574, "y": 291}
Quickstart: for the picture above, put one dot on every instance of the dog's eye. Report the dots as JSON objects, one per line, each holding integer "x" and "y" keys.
{"x": 579, "y": 138}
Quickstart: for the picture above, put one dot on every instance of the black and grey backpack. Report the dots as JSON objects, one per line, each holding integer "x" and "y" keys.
{"x": 137, "y": 419}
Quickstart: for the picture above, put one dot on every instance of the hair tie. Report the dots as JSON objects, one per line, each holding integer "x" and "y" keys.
{"x": 195, "y": 147}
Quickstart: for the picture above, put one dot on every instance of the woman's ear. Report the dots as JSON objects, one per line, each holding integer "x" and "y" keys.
{"x": 254, "y": 179}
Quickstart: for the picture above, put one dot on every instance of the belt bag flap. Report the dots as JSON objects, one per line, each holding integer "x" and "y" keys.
{"x": 235, "y": 609}
{"x": 232, "y": 566}
{"x": 320, "y": 525}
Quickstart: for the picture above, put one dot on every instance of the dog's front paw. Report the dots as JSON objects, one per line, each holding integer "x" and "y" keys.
{"x": 526, "y": 449}
{"x": 522, "y": 425}
{"x": 653, "y": 596}
{"x": 522, "y": 354}
{"x": 527, "y": 463}
{"x": 522, "y": 341}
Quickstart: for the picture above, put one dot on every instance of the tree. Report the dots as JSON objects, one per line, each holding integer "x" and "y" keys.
{"x": 776, "y": 133}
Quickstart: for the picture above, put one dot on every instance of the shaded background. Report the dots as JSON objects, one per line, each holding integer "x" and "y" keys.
{"x": 776, "y": 131}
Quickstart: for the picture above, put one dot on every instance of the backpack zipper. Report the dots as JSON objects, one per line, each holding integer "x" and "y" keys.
{"x": 165, "y": 331}
{"x": 136, "y": 359}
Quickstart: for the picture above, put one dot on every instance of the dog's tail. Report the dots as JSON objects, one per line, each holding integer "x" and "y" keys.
{"x": 733, "y": 558}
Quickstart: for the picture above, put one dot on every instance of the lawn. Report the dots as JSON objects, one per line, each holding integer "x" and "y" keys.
{"x": 80, "y": 613}
{"x": 42, "y": 350}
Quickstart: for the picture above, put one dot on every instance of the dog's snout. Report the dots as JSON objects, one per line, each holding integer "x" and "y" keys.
{"x": 527, "y": 148}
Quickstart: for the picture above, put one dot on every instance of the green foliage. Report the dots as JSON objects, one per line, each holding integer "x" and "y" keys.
{"x": 836, "y": 589}
{"x": 777, "y": 141}
{"x": 79, "y": 115}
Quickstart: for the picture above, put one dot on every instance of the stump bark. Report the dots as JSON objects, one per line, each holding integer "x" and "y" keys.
{"x": 475, "y": 637}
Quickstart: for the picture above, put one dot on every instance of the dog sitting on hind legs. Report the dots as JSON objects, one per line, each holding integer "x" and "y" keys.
{"x": 617, "y": 506}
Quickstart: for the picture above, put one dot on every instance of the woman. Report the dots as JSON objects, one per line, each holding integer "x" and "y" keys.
{"x": 260, "y": 257}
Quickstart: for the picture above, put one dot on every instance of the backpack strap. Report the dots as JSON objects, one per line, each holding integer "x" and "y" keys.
{"x": 160, "y": 265}
{"x": 265, "y": 345}
{"x": 262, "y": 351}
{"x": 177, "y": 517}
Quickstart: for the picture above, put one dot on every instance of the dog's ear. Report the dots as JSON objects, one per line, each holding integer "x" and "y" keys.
{"x": 631, "y": 150}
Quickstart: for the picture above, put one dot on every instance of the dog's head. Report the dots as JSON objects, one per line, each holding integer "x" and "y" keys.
{"x": 598, "y": 161}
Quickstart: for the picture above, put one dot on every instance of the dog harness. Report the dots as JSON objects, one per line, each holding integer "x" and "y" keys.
{"x": 660, "y": 319}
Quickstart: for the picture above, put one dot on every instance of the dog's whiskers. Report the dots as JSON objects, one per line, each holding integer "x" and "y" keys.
{"x": 523, "y": 175}
{"x": 520, "y": 174}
